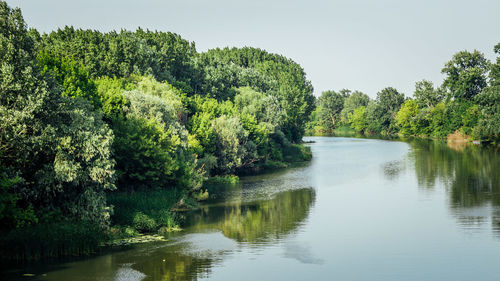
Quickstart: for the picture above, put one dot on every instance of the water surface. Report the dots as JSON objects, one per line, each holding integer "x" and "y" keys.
{"x": 361, "y": 210}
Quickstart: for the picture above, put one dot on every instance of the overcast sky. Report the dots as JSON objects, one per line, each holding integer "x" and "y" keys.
{"x": 360, "y": 45}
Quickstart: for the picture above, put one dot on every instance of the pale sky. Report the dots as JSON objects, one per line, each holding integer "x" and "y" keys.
{"x": 360, "y": 45}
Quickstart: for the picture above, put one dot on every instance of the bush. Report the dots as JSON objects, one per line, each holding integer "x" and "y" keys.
{"x": 273, "y": 165}
{"x": 144, "y": 223}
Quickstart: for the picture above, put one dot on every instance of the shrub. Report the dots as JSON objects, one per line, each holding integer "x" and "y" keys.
{"x": 225, "y": 179}
{"x": 144, "y": 223}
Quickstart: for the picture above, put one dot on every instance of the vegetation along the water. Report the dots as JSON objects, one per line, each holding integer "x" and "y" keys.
{"x": 110, "y": 135}
{"x": 107, "y": 135}
{"x": 466, "y": 107}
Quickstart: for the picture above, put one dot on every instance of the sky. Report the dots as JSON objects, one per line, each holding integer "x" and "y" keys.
{"x": 359, "y": 44}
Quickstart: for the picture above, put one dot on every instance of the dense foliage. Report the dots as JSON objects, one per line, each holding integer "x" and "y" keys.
{"x": 465, "y": 106}
{"x": 55, "y": 150}
{"x": 138, "y": 117}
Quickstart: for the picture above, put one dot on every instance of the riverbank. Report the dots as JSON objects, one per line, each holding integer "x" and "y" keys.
{"x": 457, "y": 140}
{"x": 136, "y": 217}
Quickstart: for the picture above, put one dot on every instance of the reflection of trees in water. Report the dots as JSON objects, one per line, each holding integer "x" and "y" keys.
{"x": 258, "y": 221}
{"x": 152, "y": 261}
{"x": 255, "y": 222}
{"x": 171, "y": 264}
{"x": 471, "y": 175}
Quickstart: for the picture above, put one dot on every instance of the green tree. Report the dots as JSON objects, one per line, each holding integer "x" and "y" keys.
{"x": 353, "y": 101}
{"x": 381, "y": 114}
{"x": 495, "y": 68}
{"x": 268, "y": 73}
{"x": 489, "y": 104}
{"x": 265, "y": 108}
{"x": 426, "y": 95}
{"x": 439, "y": 121}
{"x": 110, "y": 92}
{"x": 164, "y": 55}
{"x": 72, "y": 76}
{"x": 57, "y": 146}
{"x": 332, "y": 104}
{"x": 151, "y": 147}
{"x": 233, "y": 150}
{"x": 358, "y": 119}
{"x": 466, "y": 74}
{"x": 406, "y": 118}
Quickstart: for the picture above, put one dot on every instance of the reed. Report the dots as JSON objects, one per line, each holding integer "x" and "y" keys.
{"x": 54, "y": 240}
{"x": 145, "y": 211}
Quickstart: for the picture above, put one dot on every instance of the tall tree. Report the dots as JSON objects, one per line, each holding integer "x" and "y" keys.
{"x": 426, "y": 95}
{"x": 489, "y": 101}
{"x": 495, "y": 68}
{"x": 353, "y": 101}
{"x": 382, "y": 113}
{"x": 466, "y": 74}
{"x": 331, "y": 104}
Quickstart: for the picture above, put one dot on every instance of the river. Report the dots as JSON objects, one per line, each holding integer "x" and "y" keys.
{"x": 362, "y": 209}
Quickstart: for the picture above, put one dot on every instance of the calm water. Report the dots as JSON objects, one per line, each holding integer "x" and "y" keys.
{"x": 361, "y": 210}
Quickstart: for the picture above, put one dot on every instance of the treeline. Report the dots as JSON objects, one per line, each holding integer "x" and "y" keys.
{"x": 466, "y": 105}
{"x": 86, "y": 116}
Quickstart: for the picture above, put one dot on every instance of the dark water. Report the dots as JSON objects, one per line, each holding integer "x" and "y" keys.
{"x": 361, "y": 210}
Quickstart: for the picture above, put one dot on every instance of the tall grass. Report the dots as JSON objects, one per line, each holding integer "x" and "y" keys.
{"x": 53, "y": 240}
{"x": 146, "y": 211}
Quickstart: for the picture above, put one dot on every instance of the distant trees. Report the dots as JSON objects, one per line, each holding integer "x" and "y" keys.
{"x": 467, "y": 102}
{"x": 353, "y": 101}
{"x": 383, "y": 113}
{"x": 358, "y": 119}
{"x": 327, "y": 115}
{"x": 406, "y": 118}
{"x": 332, "y": 104}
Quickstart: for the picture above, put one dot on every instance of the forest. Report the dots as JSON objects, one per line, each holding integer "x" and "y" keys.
{"x": 105, "y": 135}
{"x": 465, "y": 107}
